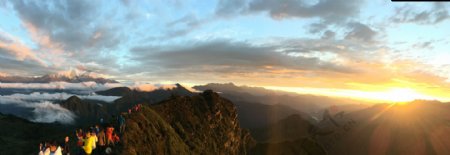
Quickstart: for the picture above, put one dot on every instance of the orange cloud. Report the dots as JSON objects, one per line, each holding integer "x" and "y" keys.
{"x": 42, "y": 39}
{"x": 21, "y": 52}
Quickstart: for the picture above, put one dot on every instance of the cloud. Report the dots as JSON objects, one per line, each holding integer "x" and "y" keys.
{"x": 229, "y": 8}
{"x": 146, "y": 87}
{"x": 424, "y": 45}
{"x": 331, "y": 11}
{"x": 16, "y": 67}
{"x": 12, "y": 46}
{"x": 47, "y": 112}
{"x": 329, "y": 35}
{"x": 361, "y": 32}
{"x": 38, "y": 107}
{"x": 225, "y": 57}
{"x": 69, "y": 33}
{"x": 43, "y": 111}
{"x": 38, "y": 96}
{"x": 62, "y": 24}
{"x": 436, "y": 13}
{"x": 3, "y": 74}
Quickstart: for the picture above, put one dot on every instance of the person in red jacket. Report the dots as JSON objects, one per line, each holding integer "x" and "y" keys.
{"x": 109, "y": 135}
{"x": 116, "y": 138}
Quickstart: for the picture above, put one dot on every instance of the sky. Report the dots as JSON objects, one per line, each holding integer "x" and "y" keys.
{"x": 372, "y": 50}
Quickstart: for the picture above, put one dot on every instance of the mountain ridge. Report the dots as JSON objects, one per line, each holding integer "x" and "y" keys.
{"x": 201, "y": 124}
{"x": 55, "y": 78}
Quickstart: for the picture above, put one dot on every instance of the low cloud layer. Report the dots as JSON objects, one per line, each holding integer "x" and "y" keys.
{"x": 48, "y": 112}
{"x": 40, "y": 111}
{"x": 40, "y": 107}
{"x": 38, "y": 96}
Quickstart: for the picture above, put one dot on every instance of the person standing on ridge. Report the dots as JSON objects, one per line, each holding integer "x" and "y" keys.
{"x": 122, "y": 123}
{"x": 101, "y": 141}
{"x": 66, "y": 147}
{"x": 54, "y": 149}
{"x": 89, "y": 143}
{"x": 109, "y": 136}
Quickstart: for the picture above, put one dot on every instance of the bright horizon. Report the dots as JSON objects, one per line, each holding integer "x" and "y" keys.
{"x": 360, "y": 49}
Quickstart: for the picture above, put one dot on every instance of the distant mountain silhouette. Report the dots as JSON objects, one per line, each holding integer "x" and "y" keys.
{"x": 117, "y": 91}
{"x": 257, "y": 115}
{"x": 307, "y": 104}
{"x": 288, "y": 129}
{"x": 55, "y": 78}
{"x": 136, "y": 97}
{"x": 419, "y": 127}
{"x": 87, "y": 112}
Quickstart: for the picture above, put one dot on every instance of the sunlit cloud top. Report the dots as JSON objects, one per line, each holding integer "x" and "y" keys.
{"x": 328, "y": 47}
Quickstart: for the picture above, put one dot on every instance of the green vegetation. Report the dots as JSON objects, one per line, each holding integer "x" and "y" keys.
{"x": 201, "y": 124}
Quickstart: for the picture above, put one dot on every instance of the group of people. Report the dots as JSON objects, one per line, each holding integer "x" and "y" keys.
{"x": 52, "y": 148}
{"x": 98, "y": 139}
{"x": 136, "y": 107}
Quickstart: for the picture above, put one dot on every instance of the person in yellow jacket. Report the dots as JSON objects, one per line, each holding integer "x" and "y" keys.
{"x": 89, "y": 143}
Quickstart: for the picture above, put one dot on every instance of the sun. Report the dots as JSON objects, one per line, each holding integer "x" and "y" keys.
{"x": 401, "y": 95}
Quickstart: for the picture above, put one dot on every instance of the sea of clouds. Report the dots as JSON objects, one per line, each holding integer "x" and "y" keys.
{"x": 37, "y": 102}
{"x": 41, "y": 107}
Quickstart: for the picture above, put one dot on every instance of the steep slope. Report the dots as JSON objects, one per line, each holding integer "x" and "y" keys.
{"x": 289, "y": 129}
{"x": 204, "y": 123}
{"x": 148, "y": 133}
{"x": 19, "y": 136}
{"x": 86, "y": 111}
{"x": 257, "y": 115}
{"x": 303, "y": 146}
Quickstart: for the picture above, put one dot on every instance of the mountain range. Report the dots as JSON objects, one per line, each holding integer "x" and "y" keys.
{"x": 70, "y": 78}
{"x": 178, "y": 121}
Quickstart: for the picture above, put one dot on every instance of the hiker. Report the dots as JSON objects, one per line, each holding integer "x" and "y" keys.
{"x": 97, "y": 129}
{"x": 53, "y": 149}
{"x": 89, "y": 142}
{"x": 116, "y": 138}
{"x": 94, "y": 145}
{"x": 95, "y": 139}
{"x": 101, "y": 140}
{"x": 109, "y": 136}
{"x": 121, "y": 123}
{"x": 42, "y": 148}
{"x": 79, "y": 134}
{"x": 66, "y": 148}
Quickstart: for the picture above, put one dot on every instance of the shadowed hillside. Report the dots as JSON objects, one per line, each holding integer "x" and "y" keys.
{"x": 201, "y": 124}
{"x": 20, "y": 137}
{"x": 289, "y": 129}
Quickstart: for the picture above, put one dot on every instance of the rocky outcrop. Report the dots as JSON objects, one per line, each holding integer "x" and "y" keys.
{"x": 201, "y": 124}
